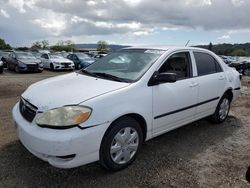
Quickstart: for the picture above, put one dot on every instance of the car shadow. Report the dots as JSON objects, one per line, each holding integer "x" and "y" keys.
{"x": 170, "y": 154}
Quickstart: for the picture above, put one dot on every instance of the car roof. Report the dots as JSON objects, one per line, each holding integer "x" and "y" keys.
{"x": 166, "y": 48}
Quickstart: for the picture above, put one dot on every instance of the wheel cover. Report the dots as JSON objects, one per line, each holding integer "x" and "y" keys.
{"x": 124, "y": 145}
{"x": 224, "y": 108}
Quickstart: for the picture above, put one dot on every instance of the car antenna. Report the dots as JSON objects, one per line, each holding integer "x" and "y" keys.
{"x": 187, "y": 43}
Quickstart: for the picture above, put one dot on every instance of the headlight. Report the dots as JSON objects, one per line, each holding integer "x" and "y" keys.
{"x": 64, "y": 117}
{"x": 57, "y": 63}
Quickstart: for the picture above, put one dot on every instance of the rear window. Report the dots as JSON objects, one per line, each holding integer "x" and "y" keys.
{"x": 206, "y": 64}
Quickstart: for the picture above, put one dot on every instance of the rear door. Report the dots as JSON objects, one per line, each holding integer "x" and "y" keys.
{"x": 174, "y": 103}
{"x": 212, "y": 82}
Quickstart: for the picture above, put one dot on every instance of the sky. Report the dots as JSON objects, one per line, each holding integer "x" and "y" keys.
{"x": 127, "y": 22}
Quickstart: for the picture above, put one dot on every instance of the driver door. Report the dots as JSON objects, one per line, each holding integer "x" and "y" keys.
{"x": 174, "y": 103}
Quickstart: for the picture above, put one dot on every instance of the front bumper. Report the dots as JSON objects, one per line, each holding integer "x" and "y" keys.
{"x": 61, "y": 148}
{"x": 30, "y": 68}
{"x": 63, "y": 67}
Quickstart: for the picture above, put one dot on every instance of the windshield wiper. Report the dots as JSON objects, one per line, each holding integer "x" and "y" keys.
{"x": 111, "y": 77}
{"x": 89, "y": 73}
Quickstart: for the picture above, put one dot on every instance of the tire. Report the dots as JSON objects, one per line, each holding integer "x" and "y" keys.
{"x": 8, "y": 66}
{"x": 79, "y": 66}
{"x": 125, "y": 137}
{"x": 17, "y": 69}
{"x": 52, "y": 67}
{"x": 1, "y": 69}
{"x": 222, "y": 110}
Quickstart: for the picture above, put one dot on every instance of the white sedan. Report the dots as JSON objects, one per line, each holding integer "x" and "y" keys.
{"x": 106, "y": 111}
{"x": 56, "y": 62}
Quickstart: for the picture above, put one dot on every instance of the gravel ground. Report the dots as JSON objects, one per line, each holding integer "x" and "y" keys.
{"x": 200, "y": 154}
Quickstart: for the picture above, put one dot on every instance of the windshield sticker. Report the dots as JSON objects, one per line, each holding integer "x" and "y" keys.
{"x": 154, "y": 51}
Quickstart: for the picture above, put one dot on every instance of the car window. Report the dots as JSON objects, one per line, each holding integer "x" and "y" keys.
{"x": 45, "y": 56}
{"x": 179, "y": 64}
{"x": 206, "y": 64}
{"x": 128, "y": 64}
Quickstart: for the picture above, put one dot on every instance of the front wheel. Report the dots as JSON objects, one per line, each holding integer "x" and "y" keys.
{"x": 222, "y": 110}
{"x": 79, "y": 66}
{"x": 121, "y": 144}
{"x": 17, "y": 70}
{"x": 52, "y": 67}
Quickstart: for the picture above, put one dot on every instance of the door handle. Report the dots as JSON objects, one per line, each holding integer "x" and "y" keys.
{"x": 193, "y": 84}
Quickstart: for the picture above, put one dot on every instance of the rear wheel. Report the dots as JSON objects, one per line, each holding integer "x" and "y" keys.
{"x": 1, "y": 69}
{"x": 222, "y": 110}
{"x": 121, "y": 144}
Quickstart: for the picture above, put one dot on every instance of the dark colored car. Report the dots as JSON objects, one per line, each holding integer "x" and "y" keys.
{"x": 98, "y": 56}
{"x": 24, "y": 62}
{"x": 242, "y": 66}
{"x": 3, "y": 56}
{"x": 1, "y": 66}
{"x": 227, "y": 59}
{"x": 81, "y": 60}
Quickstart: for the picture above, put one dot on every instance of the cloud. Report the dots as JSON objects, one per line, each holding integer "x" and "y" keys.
{"x": 224, "y": 37}
{"x": 72, "y": 18}
{"x": 4, "y": 13}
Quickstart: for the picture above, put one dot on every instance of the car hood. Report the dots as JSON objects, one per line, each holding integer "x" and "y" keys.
{"x": 69, "y": 89}
{"x": 61, "y": 60}
{"x": 30, "y": 61}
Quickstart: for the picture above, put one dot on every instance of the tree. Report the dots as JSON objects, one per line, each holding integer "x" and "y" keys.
{"x": 240, "y": 52}
{"x": 61, "y": 45}
{"x": 23, "y": 48}
{"x": 3, "y": 45}
{"x": 210, "y": 46}
{"x": 102, "y": 45}
{"x": 44, "y": 44}
{"x": 36, "y": 45}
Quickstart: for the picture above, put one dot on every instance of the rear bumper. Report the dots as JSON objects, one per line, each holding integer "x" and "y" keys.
{"x": 61, "y": 148}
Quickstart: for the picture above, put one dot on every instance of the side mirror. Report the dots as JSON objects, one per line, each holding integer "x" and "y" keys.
{"x": 159, "y": 78}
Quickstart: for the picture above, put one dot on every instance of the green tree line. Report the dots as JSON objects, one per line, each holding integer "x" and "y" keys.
{"x": 229, "y": 49}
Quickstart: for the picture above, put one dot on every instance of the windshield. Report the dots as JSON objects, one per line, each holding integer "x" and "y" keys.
{"x": 125, "y": 64}
{"x": 55, "y": 56}
{"x": 25, "y": 55}
{"x": 82, "y": 55}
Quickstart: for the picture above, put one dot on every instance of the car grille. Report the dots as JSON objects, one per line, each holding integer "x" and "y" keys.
{"x": 32, "y": 67}
{"x": 27, "y": 110}
{"x": 66, "y": 64}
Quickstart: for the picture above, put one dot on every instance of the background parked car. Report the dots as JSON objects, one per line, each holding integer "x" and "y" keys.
{"x": 227, "y": 59}
{"x": 3, "y": 56}
{"x": 242, "y": 66}
{"x": 98, "y": 56}
{"x": 81, "y": 60}
{"x": 56, "y": 62}
{"x": 36, "y": 54}
{"x": 1, "y": 66}
{"x": 24, "y": 61}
